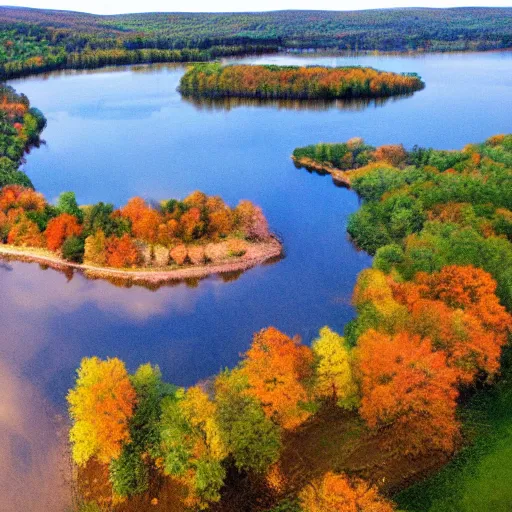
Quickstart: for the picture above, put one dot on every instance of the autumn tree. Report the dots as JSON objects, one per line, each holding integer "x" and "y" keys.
{"x": 276, "y": 367}
{"x": 192, "y": 225}
{"x": 16, "y": 196}
{"x": 468, "y": 288}
{"x": 251, "y": 221}
{"x": 144, "y": 219}
{"x": 60, "y": 228}
{"x": 121, "y": 252}
{"x": 26, "y": 233}
{"x": 407, "y": 391}
{"x": 100, "y": 405}
{"x": 95, "y": 249}
{"x": 393, "y": 154}
{"x": 338, "y": 493}
{"x": 333, "y": 369}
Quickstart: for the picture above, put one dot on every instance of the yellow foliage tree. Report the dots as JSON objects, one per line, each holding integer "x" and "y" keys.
{"x": 100, "y": 406}
{"x": 200, "y": 411}
{"x": 333, "y": 372}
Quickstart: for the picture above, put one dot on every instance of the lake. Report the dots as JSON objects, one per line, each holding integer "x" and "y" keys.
{"x": 114, "y": 134}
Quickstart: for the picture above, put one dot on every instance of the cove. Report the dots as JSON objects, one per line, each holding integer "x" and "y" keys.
{"x": 112, "y": 135}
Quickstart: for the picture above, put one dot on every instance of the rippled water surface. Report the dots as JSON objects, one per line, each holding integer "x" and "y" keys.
{"x": 113, "y": 134}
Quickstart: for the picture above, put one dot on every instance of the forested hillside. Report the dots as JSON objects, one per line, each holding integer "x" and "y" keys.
{"x": 33, "y": 39}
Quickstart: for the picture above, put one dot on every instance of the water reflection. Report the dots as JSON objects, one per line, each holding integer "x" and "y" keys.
{"x": 34, "y": 471}
{"x": 353, "y": 104}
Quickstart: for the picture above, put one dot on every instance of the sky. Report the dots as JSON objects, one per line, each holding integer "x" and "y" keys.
{"x": 124, "y": 6}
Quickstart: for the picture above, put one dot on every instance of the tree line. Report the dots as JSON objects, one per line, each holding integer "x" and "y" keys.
{"x": 213, "y": 80}
{"x": 433, "y": 318}
{"x": 20, "y": 128}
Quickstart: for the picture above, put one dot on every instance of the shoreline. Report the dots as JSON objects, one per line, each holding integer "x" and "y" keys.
{"x": 287, "y": 52}
{"x": 339, "y": 177}
{"x": 257, "y": 254}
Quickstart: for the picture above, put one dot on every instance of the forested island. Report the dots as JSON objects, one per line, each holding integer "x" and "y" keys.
{"x": 38, "y": 40}
{"x": 294, "y": 82}
{"x": 433, "y": 320}
{"x": 151, "y": 243}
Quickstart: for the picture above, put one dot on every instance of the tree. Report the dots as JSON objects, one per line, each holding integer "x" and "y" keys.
{"x": 26, "y": 233}
{"x": 276, "y": 367}
{"x": 333, "y": 370}
{"x": 251, "y": 221}
{"x": 121, "y": 252}
{"x": 338, "y": 493}
{"x": 129, "y": 473}
{"x": 393, "y": 154}
{"x": 250, "y": 437}
{"x": 60, "y": 228}
{"x": 73, "y": 249}
{"x": 468, "y": 288}
{"x": 95, "y": 249}
{"x": 67, "y": 204}
{"x": 100, "y": 405}
{"x": 191, "y": 224}
{"x": 407, "y": 391}
{"x": 191, "y": 447}
{"x": 145, "y": 220}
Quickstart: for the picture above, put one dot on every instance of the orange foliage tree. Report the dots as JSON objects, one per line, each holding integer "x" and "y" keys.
{"x": 16, "y": 196}
{"x": 26, "y": 233}
{"x": 338, "y": 493}
{"x": 393, "y": 154}
{"x": 407, "y": 390}
{"x": 121, "y": 252}
{"x": 468, "y": 288}
{"x": 276, "y": 367}
{"x": 457, "y": 308}
{"x": 100, "y": 405}
{"x": 60, "y": 228}
{"x": 145, "y": 220}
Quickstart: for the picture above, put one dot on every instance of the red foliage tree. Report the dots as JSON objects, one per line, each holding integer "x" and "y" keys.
{"x": 276, "y": 367}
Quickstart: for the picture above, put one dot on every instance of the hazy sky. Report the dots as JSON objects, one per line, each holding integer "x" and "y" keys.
{"x": 121, "y": 6}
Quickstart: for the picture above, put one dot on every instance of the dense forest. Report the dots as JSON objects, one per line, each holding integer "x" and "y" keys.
{"x": 38, "y": 40}
{"x": 20, "y": 127}
{"x": 293, "y": 82}
{"x": 197, "y": 230}
{"x": 433, "y": 318}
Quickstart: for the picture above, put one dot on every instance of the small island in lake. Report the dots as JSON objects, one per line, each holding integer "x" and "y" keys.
{"x": 173, "y": 240}
{"x": 212, "y": 80}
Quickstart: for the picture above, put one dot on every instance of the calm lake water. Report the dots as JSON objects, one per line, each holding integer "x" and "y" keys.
{"x": 113, "y": 134}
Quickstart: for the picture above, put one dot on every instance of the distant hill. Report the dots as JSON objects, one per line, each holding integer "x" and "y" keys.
{"x": 33, "y": 40}
{"x": 379, "y": 29}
